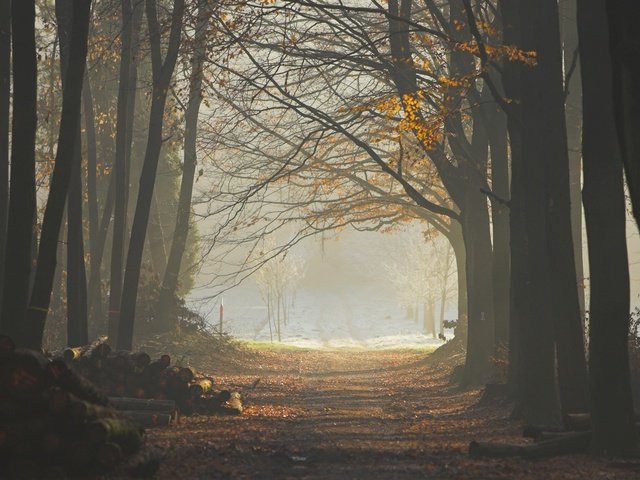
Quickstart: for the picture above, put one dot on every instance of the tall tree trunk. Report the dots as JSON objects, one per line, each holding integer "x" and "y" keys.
{"x": 531, "y": 374}
{"x": 120, "y": 169}
{"x": 77, "y": 319}
{"x": 624, "y": 45}
{"x": 65, "y": 157}
{"x": 162, "y": 74}
{"x": 429, "y": 318}
{"x": 77, "y": 316}
{"x": 463, "y": 182}
{"x": 95, "y": 278}
{"x": 613, "y": 423}
{"x": 5, "y": 82}
{"x": 465, "y": 189}
{"x": 538, "y": 400}
{"x": 94, "y": 299}
{"x": 519, "y": 276}
{"x": 166, "y": 308}
{"x": 571, "y": 361}
{"x": 497, "y": 131}
{"x": 57, "y": 305}
{"x": 541, "y": 114}
{"x": 573, "y": 111}
{"x": 22, "y": 204}
{"x": 518, "y": 308}
{"x": 457, "y": 243}
{"x": 546, "y": 216}
{"x": 496, "y": 126}
{"x": 156, "y": 240}
{"x": 477, "y": 240}
{"x": 444, "y": 293}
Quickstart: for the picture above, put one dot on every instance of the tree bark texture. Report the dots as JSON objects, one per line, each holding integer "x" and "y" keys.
{"x": 77, "y": 318}
{"x": 94, "y": 302}
{"x": 497, "y": 131}
{"x": 5, "y": 82}
{"x": 58, "y": 191}
{"x": 573, "y": 114}
{"x": 120, "y": 170}
{"x": 612, "y": 415}
{"x": 162, "y": 74}
{"x": 97, "y": 254}
{"x": 155, "y": 237}
{"x": 547, "y": 110}
{"x": 550, "y": 290}
{"x": 531, "y": 352}
{"x": 22, "y": 199}
{"x": 166, "y": 308}
{"x": 624, "y": 45}
{"x": 457, "y": 243}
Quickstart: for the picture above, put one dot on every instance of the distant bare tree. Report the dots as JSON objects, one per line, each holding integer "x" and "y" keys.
{"x": 277, "y": 281}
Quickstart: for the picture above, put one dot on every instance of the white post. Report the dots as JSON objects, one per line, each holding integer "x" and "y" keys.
{"x": 221, "y": 314}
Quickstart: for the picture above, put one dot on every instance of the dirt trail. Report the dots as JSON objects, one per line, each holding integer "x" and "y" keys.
{"x": 353, "y": 415}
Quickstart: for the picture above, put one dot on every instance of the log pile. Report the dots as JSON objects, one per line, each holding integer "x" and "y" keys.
{"x": 548, "y": 441}
{"x": 51, "y": 418}
{"x": 133, "y": 375}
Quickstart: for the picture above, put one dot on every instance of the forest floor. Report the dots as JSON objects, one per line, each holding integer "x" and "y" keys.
{"x": 354, "y": 414}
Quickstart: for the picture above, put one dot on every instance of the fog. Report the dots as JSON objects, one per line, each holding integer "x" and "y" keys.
{"x": 346, "y": 295}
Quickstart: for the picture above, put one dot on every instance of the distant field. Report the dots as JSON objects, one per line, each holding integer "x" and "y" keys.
{"x": 358, "y": 317}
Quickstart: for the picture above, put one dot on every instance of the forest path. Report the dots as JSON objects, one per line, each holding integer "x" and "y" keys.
{"x": 320, "y": 414}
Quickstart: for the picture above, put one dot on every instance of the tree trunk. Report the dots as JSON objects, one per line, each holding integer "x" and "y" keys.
{"x": 95, "y": 279}
{"x": 477, "y": 238}
{"x": 77, "y": 318}
{"x": 457, "y": 243}
{"x": 511, "y": 81}
{"x": 463, "y": 181}
{"x": 497, "y": 131}
{"x": 70, "y": 120}
{"x": 22, "y": 199}
{"x": 547, "y": 238}
{"x": 572, "y": 369}
{"x": 94, "y": 299}
{"x": 613, "y": 423}
{"x": 624, "y": 45}
{"x": 428, "y": 318}
{"x": 573, "y": 114}
{"x": 155, "y": 238}
{"x": 5, "y": 82}
{"x": 538, "y": 395}
{"x": 162, "y": 73}
{"x": 408, "y": 311}
{"x": 465, "y": 189}
{"x": 125, "y": 92}
{"x": 58, "y": 305}
{"x": 120, "y": 170}
{"x": 444, "y": 293}
{"x": 166, "y": 303}
{"x": 531, "y": 374}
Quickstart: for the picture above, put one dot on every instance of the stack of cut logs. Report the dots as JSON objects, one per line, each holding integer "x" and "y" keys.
{"x": 127, "y": 376}
{"x": 548, "y": 441}
{"x": 52, "y": 418}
